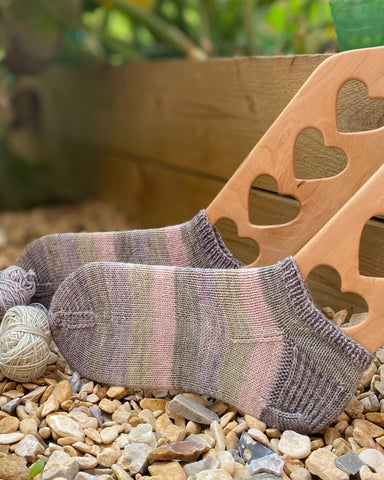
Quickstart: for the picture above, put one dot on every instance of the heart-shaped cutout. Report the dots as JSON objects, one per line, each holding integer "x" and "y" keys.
{"x": 313, "y": 159}
{"x": 356, "y": 111}
{"x": 371, "y": 252}
{"x": 267, "y": 206}
{"x": 243, "y": 248}
{"x": 324, "y": 284}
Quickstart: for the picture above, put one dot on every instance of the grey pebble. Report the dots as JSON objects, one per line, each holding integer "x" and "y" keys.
{"x": 250, "y": 449}
{"x": 187, "y": 408}
{"x": 11, "y": 406}
{"x": 96, "y": 413}
{"x": 269, "y": 464}
{"x": 349, "y": 463}
{"x": 75, "y": 382}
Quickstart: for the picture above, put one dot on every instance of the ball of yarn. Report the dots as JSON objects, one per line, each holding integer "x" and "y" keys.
{"x": 17, "y": 287}
{"x": 24, "y": 343}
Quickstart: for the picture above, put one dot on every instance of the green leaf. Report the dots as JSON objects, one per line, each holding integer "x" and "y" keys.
{"x": 36, "y": 468}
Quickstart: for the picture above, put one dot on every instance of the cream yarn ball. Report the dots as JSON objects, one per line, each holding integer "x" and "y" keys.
{"x": 24, "y": 343}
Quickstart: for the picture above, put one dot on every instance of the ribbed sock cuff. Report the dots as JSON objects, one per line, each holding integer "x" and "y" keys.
{"x": 306, "y": 312}
{"x": 210, "y": 239}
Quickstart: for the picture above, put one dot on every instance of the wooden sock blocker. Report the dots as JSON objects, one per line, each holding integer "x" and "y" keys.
{"x": 330, "y": 207}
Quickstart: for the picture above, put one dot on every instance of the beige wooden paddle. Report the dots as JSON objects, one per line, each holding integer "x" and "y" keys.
{"x": 314, "y": 106}
{"x": 337, "y": 244}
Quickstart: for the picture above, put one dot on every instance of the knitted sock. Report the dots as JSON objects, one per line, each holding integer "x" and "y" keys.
{"x": 195, "y": 243}
{"x": 250, "y": 337}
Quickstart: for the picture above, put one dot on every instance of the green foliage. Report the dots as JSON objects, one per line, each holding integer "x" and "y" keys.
{"x": 36, "y": 33}
{"x": 36, "y": 468}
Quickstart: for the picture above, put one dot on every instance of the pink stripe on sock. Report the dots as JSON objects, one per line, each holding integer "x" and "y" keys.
{"x": 104, "y": 246}
{"x": 264, "y": 360}
{"x": 176, "y": 246}
{"x": 164, "y": 327}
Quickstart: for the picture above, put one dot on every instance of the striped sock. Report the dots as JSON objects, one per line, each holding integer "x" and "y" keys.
{"x": 250, "y": 337}
{"x": 195, "y": 243}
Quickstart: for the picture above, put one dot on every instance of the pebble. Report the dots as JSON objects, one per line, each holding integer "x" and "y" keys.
{"x": 87, "y": 462}
{"x": 219, "y": 474}
{"x": 9, "y": 425}
{"x": 107, "y": 457}
{"x": 208, "y": 463}
{"x": 60, "y": 464}
{"x": 349, "y": 463}
{"x": 300, "y": 474}
{"x": 227, "y": 462}
{"x": 107, "y": 405}
{"x": 186, "y": 451}
{"x": 117, "y": 392}
{"x": 167, "y": 429}
{"x": 250, "y": 450}
{"x": 167, "y": 471}
{"x": 109, "y": 434}
{"x": 321, "y": 462}
{"x": 294, "y": 444}
{"x": 259, "y": 436}
{"x": 142, "y": 434}
{"x": 354, "y": 408}
{"x": 13, "y": 467}
{"x": 120, "y": 473}
{"x": 122, "y": 414}
{"x": 135, "y": 457}
{"x": 366, "y": 474}
{"x": 253, "y": 422}
{"x": 96, "y": 413}
{"x": 370, "y": 428}
{"x": 28, "y": 426}
{"x": 269, "y": 464}
{"x": 93, "y": 434}
{"x": 65, "y": 426}
{"x": 218, "y": 435}
{"x": 86, "y": 476}
{"x": 62, "y": 391}
{"x": 153, "y": 404}
{"x": 11, "y": 406}
{"x": 75, "y": 382}
{"x": 373, "y": 458}
{"x": 29, "y": 447}
{"x": 191, "y": 410}
{"x": 9, "y": 438}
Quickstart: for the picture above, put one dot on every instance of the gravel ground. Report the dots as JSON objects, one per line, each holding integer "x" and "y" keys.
{"x": 76, "y": 429}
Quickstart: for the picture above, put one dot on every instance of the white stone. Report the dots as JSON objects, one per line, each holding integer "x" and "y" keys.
{"x": 142, "y": 434}
{"x": 268, "y": 464}
{"x": 373, "y": 458}
{"x": 294, "y": 444}
{"x": 120, "y": 473}
{"x": 208, "y": 463}
{"x": 227, "y": 462}
{"x": 60, "y": 464}
{"x": 65, "y": 426}
{"x": 86, "y": 476}
{"x": 29, "y": 447}
{"x": 9, "y": 438}
{"x": 219, "y": 474}
{"x": 135, "y": 457}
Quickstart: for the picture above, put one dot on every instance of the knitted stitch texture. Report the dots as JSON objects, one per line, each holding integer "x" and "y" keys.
{"x": 250, "y": 337}
{"x": 195, "y": 243}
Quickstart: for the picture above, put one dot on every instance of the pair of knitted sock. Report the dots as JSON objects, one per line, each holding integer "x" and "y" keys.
{"x": 170, "y": 308}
